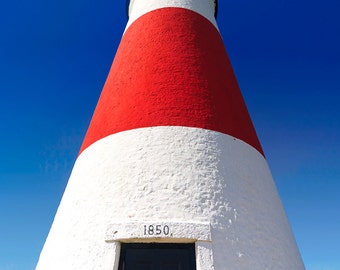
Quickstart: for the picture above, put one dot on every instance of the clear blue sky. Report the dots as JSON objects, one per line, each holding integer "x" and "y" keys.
{"x": 54, "y": 59}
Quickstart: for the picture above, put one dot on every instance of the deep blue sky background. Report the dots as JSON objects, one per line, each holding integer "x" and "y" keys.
{"x": 54, "y": 59}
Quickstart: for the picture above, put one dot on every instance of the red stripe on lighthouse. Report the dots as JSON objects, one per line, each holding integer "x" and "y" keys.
{"x": 171, "y": 69}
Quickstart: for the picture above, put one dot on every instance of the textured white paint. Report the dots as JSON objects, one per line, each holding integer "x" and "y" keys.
{"x": 204, "y": 256}
{"x": 172, "y": 174}
{"x": 139, "y": 7}
{"x": 178, "y": 231}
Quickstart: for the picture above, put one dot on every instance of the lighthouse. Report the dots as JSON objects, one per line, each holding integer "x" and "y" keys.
{"x": 171, "y": 174}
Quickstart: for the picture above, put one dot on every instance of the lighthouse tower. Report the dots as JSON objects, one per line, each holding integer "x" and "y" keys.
{"x": 171, "y": 174}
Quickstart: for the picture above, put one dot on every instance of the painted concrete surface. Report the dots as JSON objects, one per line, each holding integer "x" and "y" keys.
{"x": 169, "y": 231}
{"x": 171, "y": 156}
{"x": 175, "y": 175}
{"x": 138, "y": 8}
{"x": 171, "y": 69}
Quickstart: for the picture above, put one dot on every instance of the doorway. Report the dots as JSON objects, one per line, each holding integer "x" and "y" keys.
{"x": 157, "y": 256}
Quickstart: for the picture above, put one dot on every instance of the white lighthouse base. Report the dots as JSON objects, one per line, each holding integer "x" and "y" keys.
{"x": 190, "y": 184}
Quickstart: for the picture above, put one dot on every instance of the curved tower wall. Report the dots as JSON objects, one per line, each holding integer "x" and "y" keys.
{"x": 171, "y": 156}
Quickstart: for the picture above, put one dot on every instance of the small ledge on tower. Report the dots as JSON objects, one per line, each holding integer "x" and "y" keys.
{"x": 159, "y": 230}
